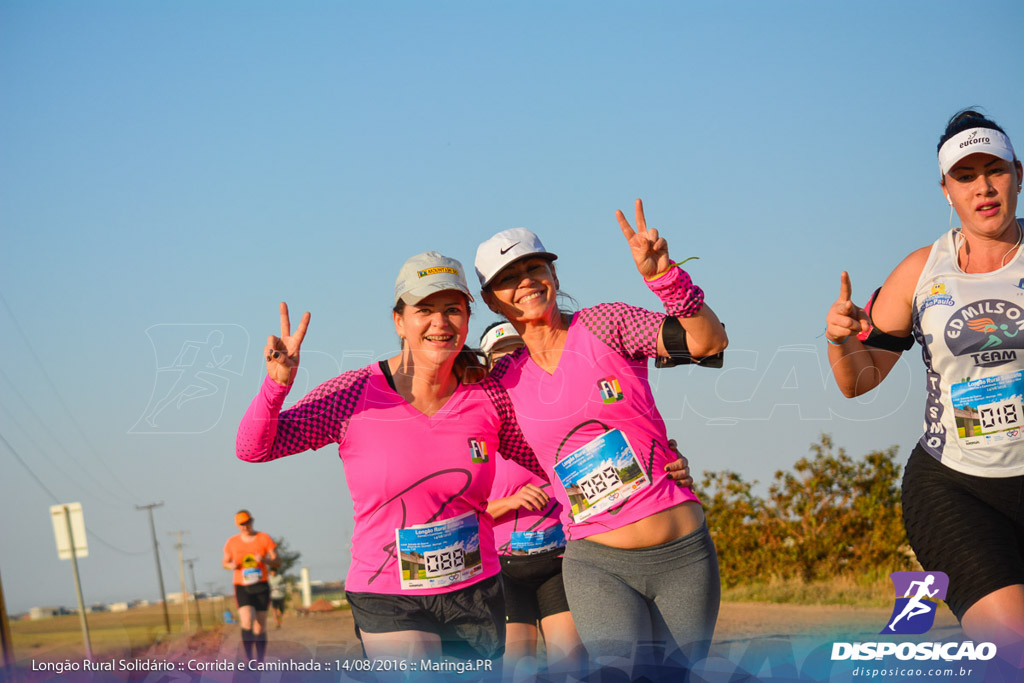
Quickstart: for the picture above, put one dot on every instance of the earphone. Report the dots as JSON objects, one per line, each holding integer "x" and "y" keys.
{"x": 949, "y": 201}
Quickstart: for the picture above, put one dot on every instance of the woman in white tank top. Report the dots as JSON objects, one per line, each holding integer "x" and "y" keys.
{"x": 962, "y": 299}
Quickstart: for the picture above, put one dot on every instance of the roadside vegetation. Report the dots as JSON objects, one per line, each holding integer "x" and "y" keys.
{"x": 829, "y": 531}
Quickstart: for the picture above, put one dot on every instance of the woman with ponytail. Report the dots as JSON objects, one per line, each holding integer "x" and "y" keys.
{"x": 959, "y": 298}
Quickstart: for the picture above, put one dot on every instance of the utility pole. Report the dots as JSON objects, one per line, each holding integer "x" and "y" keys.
{"x": 195, "y": 591}
{"x": 78, "y": 585}
{"x": 156, "y": 554}
{"x": 187, "y": 626}
{"x": 5, "y": 639}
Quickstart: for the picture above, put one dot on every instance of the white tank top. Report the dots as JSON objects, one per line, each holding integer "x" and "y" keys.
{"x": 971, "y": 329}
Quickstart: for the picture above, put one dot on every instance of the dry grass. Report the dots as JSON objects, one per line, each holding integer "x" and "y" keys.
{"x": 842, "y": 590}
{"x": 111, "y": 634}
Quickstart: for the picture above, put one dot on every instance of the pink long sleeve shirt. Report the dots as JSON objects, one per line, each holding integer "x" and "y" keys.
{"x": 598, "y": 391}
{"x": 404, "y": 469}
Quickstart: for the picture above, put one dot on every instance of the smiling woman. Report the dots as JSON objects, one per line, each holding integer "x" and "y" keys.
{"x": 957, "y": 298}
{"x": 418, "y": 439}
{"x": 639, "y": 565}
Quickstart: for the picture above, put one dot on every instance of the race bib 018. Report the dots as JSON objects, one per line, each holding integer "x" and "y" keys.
{"x": 988, "y": 411}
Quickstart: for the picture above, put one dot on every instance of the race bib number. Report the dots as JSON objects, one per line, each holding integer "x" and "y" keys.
{"x": 988, "y": 411}
{"x": 439, "y": 554}
{"x": 533, "y": 542}
{"x": 251, "y": 576}
{"x": 601, "y": 474}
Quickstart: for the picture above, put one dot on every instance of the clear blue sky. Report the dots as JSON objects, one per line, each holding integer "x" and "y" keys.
{"x": 172, "y": 170}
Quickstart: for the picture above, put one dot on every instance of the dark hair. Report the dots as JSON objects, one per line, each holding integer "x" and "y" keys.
{"x": 468, "y": 367}
{"x": 965, "y": 119}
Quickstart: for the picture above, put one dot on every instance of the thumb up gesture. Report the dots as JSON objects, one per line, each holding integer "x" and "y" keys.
{"x": 845, "y": 317}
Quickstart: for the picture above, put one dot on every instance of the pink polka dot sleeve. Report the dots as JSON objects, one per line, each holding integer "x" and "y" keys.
{"x": 512, "y": 444}
{"x": 630, "y": 330}
{"x": 320, "y": 418}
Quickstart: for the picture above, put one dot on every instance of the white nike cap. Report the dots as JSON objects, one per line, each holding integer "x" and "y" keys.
{"x": 504, "y": 249}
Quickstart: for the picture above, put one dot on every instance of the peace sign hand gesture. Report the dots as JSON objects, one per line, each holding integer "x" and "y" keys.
{"x": 650, "y": 250}
{"x": 282, "y": 352}
{"x": 845, "y": 317}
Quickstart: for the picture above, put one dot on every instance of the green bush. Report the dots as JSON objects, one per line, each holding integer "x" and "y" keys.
{"x": 831, "y": 516}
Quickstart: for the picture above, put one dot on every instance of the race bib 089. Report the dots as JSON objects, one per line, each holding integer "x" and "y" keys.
{"x": 601, "y": 474}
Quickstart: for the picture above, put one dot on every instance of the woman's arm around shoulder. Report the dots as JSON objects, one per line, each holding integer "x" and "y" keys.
{"x": 858, "y": 367}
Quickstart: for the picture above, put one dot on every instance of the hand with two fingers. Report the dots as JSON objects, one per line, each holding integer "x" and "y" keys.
{"x": 282, "y": 352}
{"x": 845, "y": 318}
{"x": 650, "y": 250}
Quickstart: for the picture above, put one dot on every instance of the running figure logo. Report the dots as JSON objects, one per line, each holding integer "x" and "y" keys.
{"x": 194, "y": 367}
{"x": 917, "y": 596}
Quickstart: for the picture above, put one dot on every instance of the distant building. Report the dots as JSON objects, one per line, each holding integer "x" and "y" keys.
{"x": 36, "y": 613}
{"x": 118, "y": 607}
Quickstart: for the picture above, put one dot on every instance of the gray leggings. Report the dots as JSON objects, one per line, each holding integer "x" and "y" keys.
{"x": 649, "y": 605}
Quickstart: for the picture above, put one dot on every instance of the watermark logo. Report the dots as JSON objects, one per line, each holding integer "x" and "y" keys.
{"x": 917, "y": 596}
{"x": 194, "y": 367}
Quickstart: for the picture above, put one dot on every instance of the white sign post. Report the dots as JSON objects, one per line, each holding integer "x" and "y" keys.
{"x": 69, "y": 530}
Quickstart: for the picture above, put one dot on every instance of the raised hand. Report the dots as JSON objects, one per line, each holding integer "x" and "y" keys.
{"x": 845, "y": 317}
{"x": 679, "y": 469}
{"x": 650, "y": 250}
{"x": 282, "y": 352}
{"x": 531, "y": 497}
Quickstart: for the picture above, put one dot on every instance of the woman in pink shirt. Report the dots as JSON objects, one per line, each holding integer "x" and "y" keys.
{"x": 418, "y": 439}
{"x": 639, "y": 564}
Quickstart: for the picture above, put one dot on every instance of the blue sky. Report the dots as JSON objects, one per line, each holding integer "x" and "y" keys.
{"x": 171, "y": 170}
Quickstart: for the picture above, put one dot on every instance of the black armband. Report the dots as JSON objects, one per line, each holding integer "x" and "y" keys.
{"x": 673, "y": 336}
{"x": 874, "y": 337}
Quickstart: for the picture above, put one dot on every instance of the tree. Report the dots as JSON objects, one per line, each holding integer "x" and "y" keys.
{"x": 287, "y": 557}
{"x": 829, "y": 515}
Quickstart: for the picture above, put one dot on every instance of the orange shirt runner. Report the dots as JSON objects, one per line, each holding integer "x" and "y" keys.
{"x": 249, "y": 555}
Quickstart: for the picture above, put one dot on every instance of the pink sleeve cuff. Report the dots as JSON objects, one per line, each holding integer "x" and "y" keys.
{"x": 682, "y": 298}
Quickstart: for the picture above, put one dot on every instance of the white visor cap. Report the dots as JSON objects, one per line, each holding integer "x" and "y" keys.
{"x": 497, "y": 336}
{"x": 504, "y": 248}
{"x": 974, "y": 141}
{"x": 427, "y": 273}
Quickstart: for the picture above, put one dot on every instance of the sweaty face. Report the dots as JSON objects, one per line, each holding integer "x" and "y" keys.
{"x": 983, "y": 189}
{"x": 435, "y": 328}
{"x": 525, "y": 290}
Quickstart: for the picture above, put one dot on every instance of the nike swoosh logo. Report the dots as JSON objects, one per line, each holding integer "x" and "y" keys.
{"x": 503, "y": 251}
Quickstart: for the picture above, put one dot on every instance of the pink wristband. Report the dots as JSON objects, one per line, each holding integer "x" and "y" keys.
{"x": 682, "y": 298}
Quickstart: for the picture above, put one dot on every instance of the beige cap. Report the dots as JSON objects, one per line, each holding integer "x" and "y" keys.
{"x": 427, "y": 273}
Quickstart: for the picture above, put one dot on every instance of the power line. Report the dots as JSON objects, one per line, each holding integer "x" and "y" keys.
{"x": 60, "y": 398}
{"x": 29, "y": 470}
{"x": 56, "y": 500}
{"x": 39, "y": 449}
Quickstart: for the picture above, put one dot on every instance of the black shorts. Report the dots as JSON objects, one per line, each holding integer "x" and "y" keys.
{"x": 277, "y": 603}
{"x": 256, "y": 596}
{"x": 533, "y": 586}
{"x": 470, "y": 621}
{"x": 971, "y": 528}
